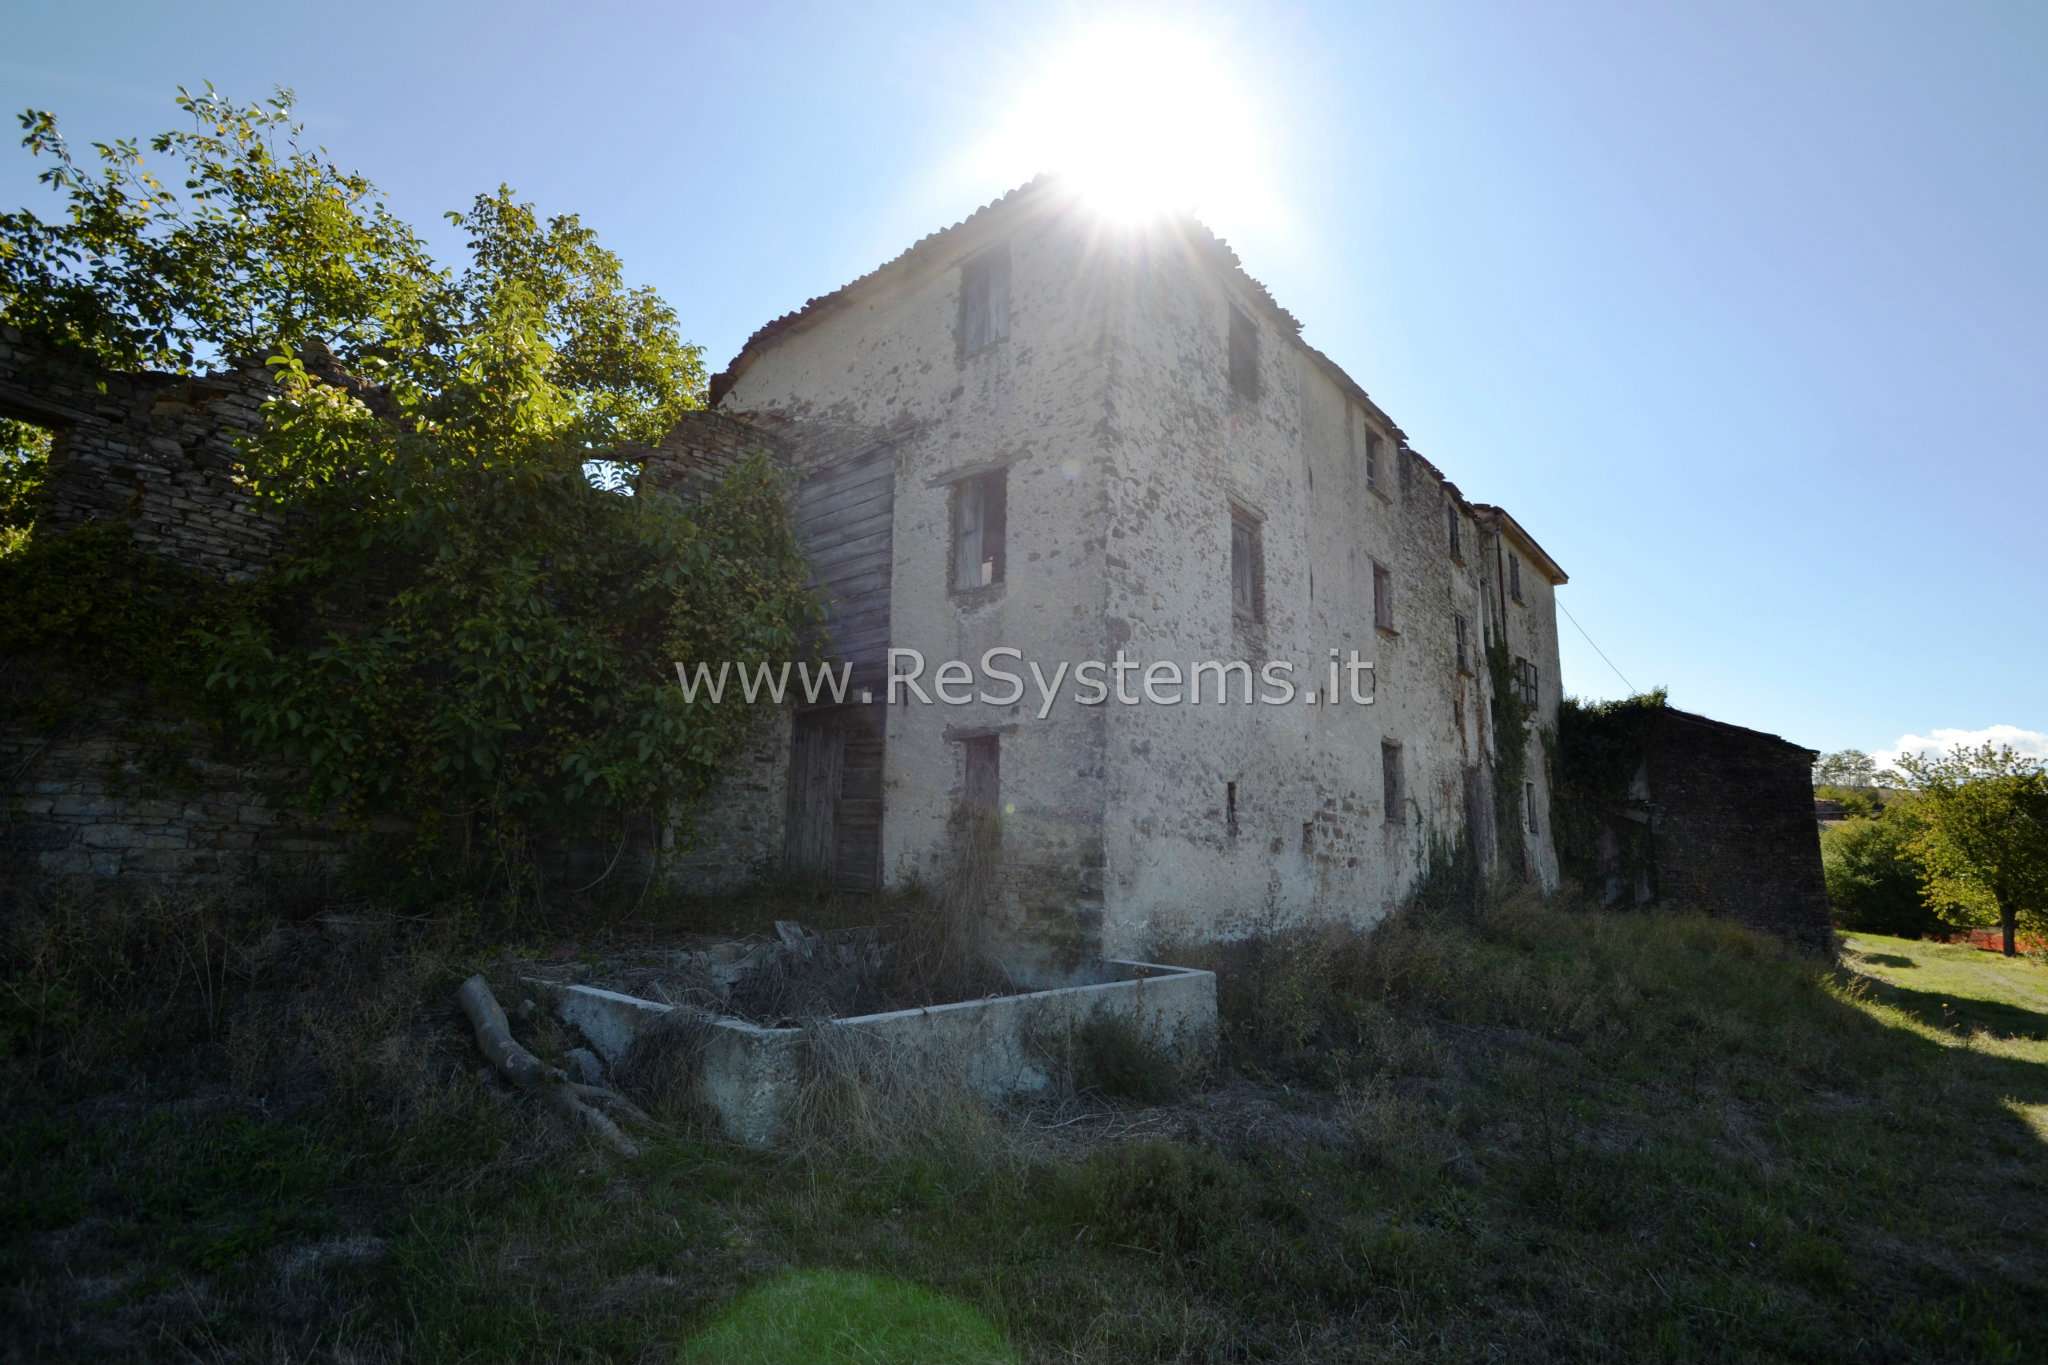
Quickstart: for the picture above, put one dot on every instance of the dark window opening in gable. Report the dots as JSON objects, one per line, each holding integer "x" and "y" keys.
{"x": 980, "y": 518}
{"x": 1382, "y": 597}
{"x": 985, "y": 300}
{"x": 1456, "y": 531}
{"x": 1406, "y": 460}
{"x": 1247, "y": 567}
{"x": 1515, "y": 576}
{"x": 1393, "y": 783}
{"x": 1372, "y": 459}
{"x": 1244, "y": 355}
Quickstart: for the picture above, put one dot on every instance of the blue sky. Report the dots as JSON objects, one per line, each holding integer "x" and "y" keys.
{"x": 1742, "y": 311}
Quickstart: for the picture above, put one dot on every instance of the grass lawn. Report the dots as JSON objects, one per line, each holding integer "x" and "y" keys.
{"x": 1544, "y": 1135}
{"x": 1955, "y": 988}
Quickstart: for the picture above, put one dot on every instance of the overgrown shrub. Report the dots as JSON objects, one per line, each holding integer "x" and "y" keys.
{"x": 491, "y": 656}
{"x": 1875, "y": 878}
{"x": 1113, "y": 1057}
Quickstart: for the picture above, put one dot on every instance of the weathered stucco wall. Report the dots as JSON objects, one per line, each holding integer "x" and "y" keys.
{"x": 1313, "y": 835}
{"x": 1530, "y": 627}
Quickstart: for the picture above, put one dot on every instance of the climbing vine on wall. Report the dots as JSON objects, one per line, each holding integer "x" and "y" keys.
{"x": 490, "y": 656}
{"x": 1511, "y": 722}
{"x": 88, "y": 614}
{"x": 1594, "y": 760}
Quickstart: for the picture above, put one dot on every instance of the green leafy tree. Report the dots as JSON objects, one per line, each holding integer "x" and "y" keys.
{"x": 467, "y": 632}
{"x": 239, "y": 242}
{"x": 1845, "y": 768}
{"x": 1984, "y": 845}
{"x": 225, "y": 239}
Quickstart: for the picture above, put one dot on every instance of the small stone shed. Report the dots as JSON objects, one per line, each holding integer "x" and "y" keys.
{"x": 1717, "y": 818}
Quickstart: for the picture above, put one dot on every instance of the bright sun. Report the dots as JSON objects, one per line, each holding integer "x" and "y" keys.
{"x": 1143, "y": 118}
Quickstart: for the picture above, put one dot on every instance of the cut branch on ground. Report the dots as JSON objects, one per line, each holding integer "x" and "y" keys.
{"x": 529, "y": 1073}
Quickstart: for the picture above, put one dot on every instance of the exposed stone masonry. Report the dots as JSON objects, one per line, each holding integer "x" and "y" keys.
{"x": 156, "y": 451}
{"x": 85, "y": 804}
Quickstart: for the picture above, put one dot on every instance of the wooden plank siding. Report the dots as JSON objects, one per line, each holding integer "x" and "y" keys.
{"x": 845, "y": 521}
{"x": 845, "y": 518}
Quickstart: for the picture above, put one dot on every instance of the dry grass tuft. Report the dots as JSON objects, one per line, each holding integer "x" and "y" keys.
{"x": 660, "y": 1070}
{"x": 860, "y": 1095}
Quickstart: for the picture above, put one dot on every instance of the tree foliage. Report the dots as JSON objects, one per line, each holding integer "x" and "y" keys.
{"x": 1864, "y": 803}
{"x": 24, "y": 460}
{"x": 1850, "y": 768}
{"x": 1984, "y": 844}
{"x": 238, "y": 241}
{"x": 466, "y": 633}
{"x": 1875, "y": 875}
{"x": 513, "y": 674}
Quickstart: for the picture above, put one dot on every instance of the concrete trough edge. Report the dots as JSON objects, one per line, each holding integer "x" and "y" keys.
{"x": 749, "y": 1074}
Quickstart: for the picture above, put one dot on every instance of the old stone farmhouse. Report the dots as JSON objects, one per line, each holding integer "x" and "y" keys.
{"x": 1034, "y": 431}
{"x": 1037, "y": 433}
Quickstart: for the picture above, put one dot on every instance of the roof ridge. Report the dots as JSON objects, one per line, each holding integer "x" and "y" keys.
{"x": 1199, "y": 233}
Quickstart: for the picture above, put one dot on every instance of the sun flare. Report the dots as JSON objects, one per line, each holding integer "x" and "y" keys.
{"x": 1143, "y": 118}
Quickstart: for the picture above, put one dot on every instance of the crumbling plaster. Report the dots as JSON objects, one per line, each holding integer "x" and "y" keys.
{"x": 1313, "y": 837}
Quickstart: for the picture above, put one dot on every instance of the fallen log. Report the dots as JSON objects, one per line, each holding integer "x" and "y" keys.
{"x": 531, "y": 1074}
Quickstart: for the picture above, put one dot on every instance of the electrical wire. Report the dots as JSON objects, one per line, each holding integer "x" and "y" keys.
{"x": 1632, "y": 690}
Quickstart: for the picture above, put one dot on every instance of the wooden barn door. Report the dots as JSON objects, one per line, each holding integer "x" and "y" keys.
{"x": 835, "y": 795}
{"x": 817, "y": 759}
